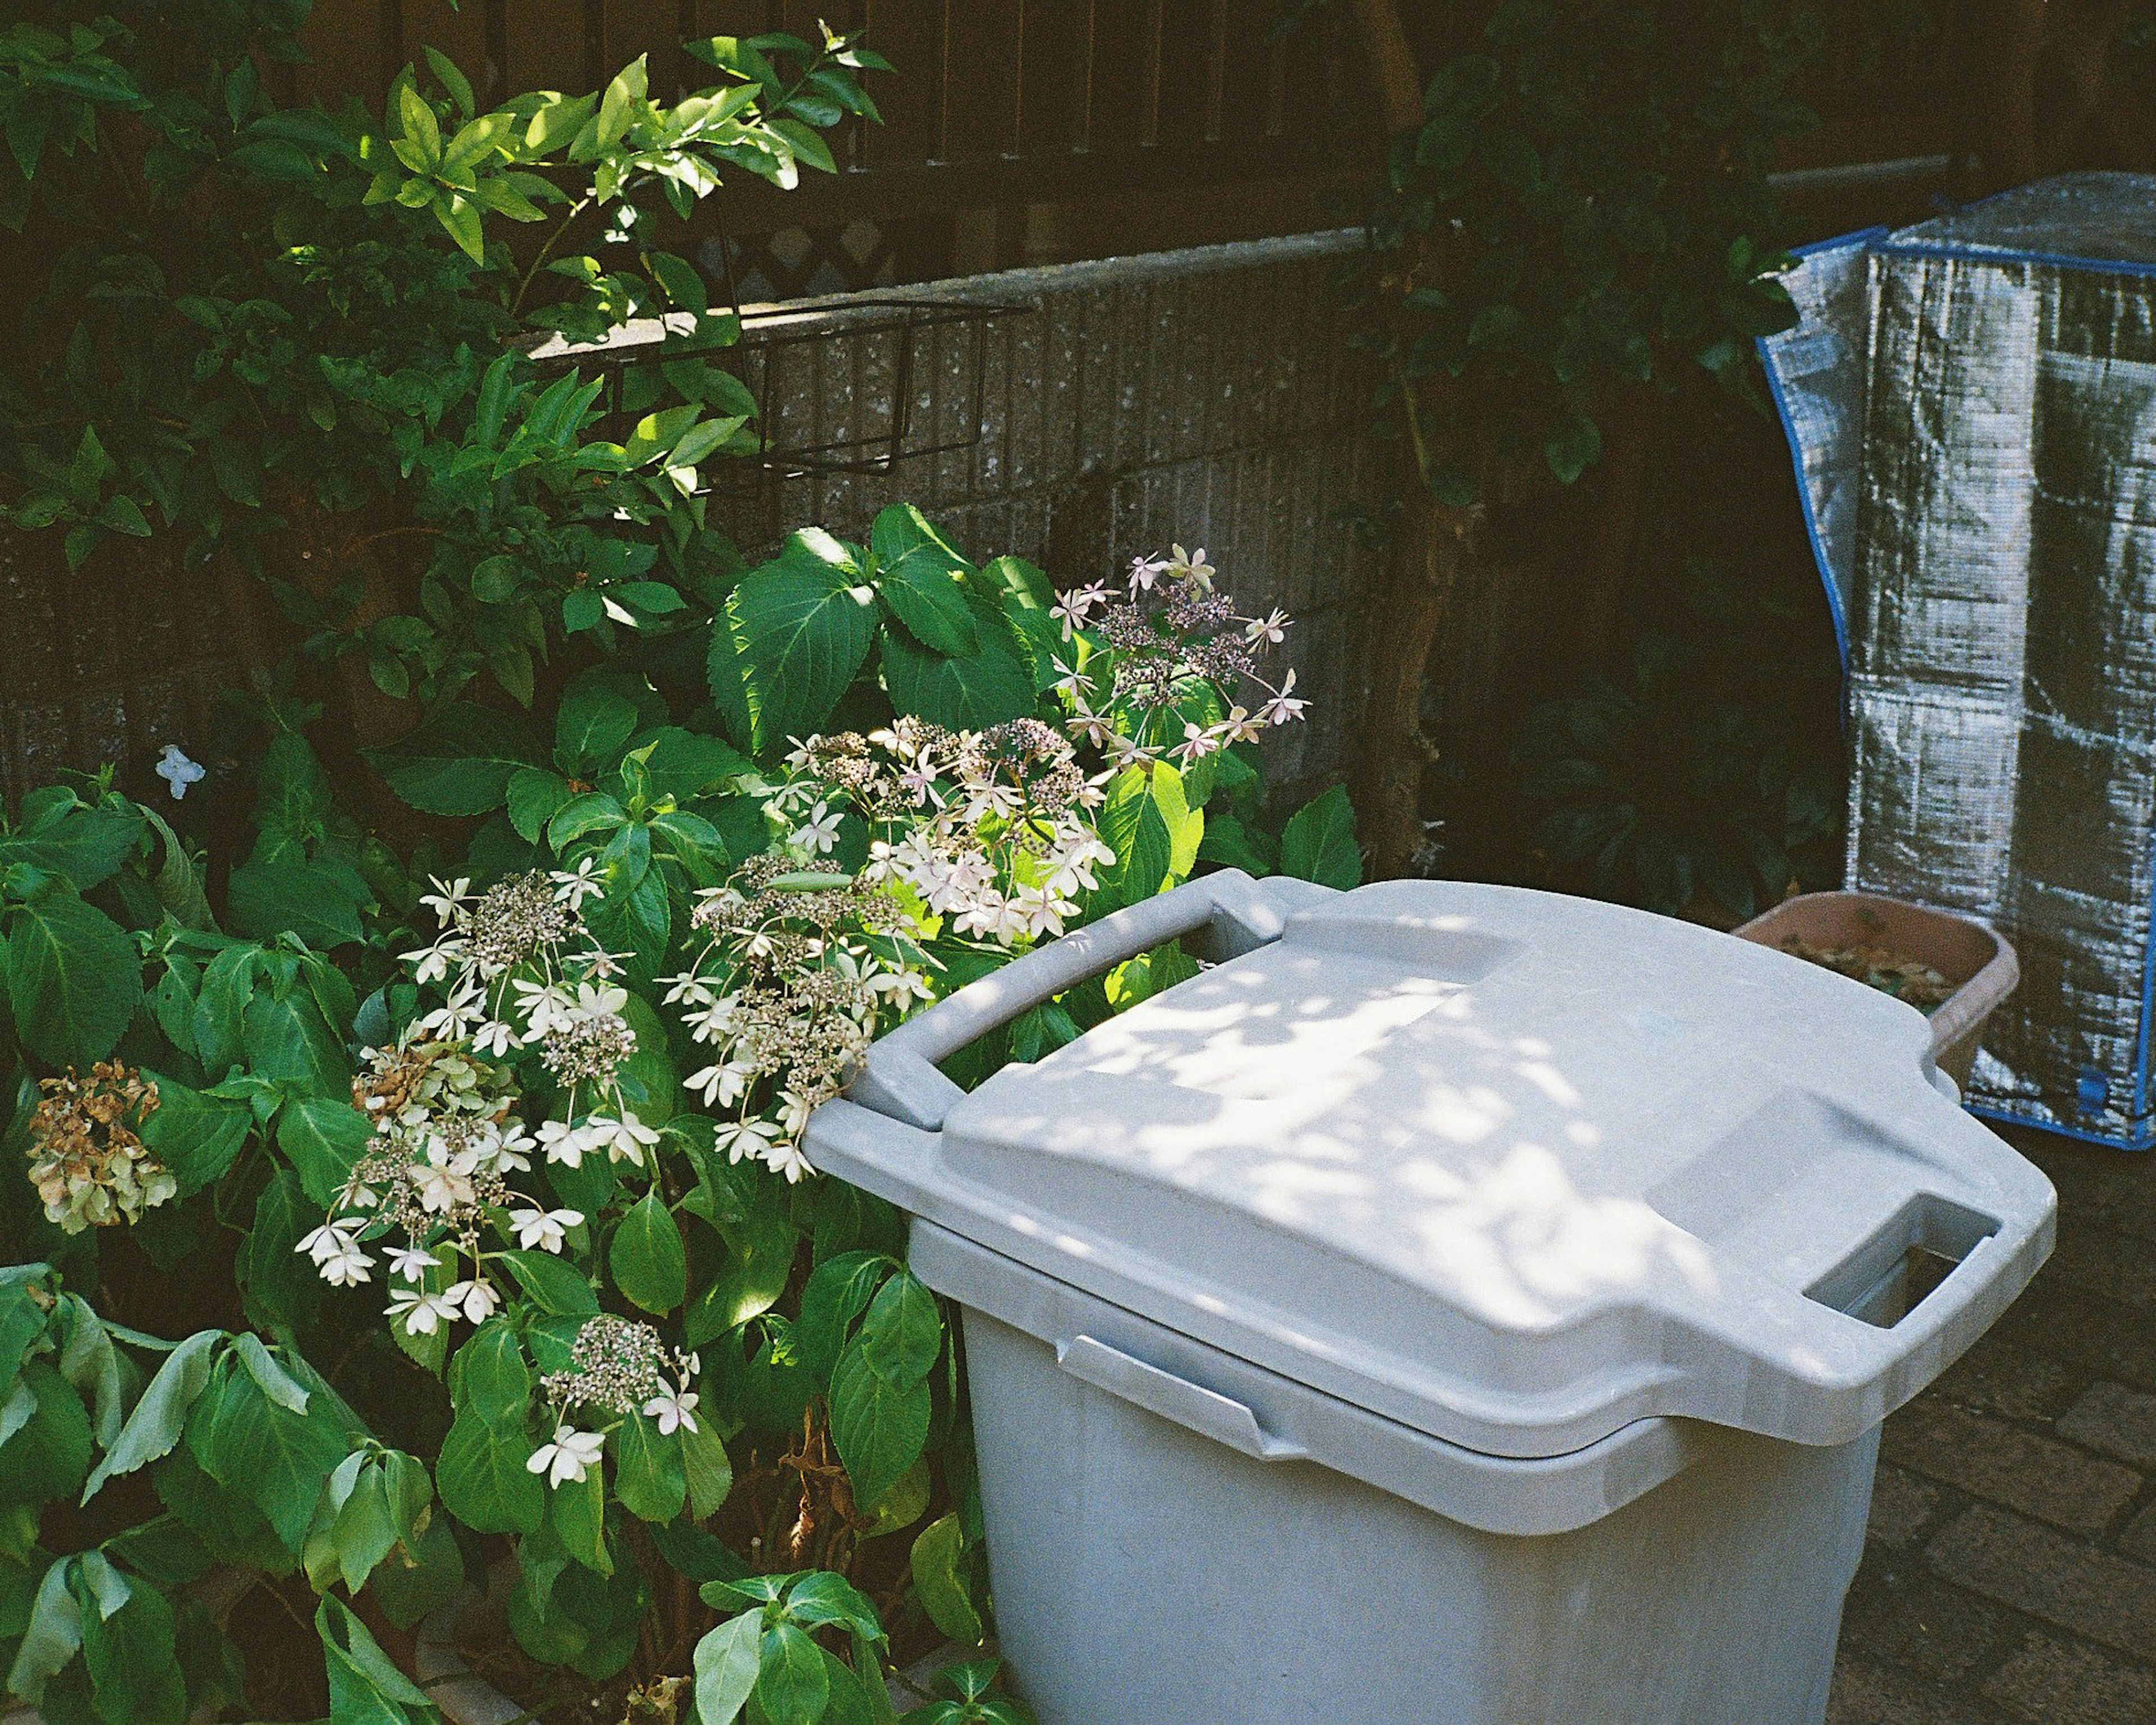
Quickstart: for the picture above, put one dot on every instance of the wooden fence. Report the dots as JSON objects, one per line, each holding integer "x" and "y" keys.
{"x": 1014, "y": 130}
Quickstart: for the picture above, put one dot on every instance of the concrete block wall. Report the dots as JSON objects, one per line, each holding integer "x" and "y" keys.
{"x": 1207, "y": 397}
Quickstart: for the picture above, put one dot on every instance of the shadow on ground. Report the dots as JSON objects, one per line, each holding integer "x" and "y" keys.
{"x": 2010, "y": 1574}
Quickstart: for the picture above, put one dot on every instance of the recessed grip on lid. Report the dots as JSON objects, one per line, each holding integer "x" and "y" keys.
{"x": 1190, "y": 1405}
{"x": 899, "y": 1079}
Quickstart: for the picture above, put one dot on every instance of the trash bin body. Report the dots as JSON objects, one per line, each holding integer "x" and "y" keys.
{"x": 1461, "y": 1305}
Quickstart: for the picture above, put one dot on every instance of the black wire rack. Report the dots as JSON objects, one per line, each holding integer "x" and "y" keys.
{"x": 778, "y": 342}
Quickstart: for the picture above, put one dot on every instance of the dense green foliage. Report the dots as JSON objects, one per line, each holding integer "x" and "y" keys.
{"x": 680, "y": 1391}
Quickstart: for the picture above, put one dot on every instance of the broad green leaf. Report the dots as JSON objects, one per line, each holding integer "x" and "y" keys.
{"x": 536, "y": 795}
{"x": 902, "y": 1334}
{"x": 52, "y": 1636}
{"x": 160, "y": 1416}
{"x": 366, "y": 1686}
{"x": 323, "y": 1138}
{"x": 484, "y": 1480}
{"x": 552, "y": 1285}
{"x": 707, "y": 1468}
{"x": 266, "y": 897}
{"x": 683, "y": 764}
{"x": 460, "y": 760}
{"x": 1318, "y": 843}
{"x": 648, "y": 1476}
{"x": 492, "y": 1379}
{"x": 648, "y": 1263}
{"x": 727, "y": 1660}
{"x": 880, "y": 1427}
{"x": 592, "y": 727}
{"x": 48, "y": 1455}
{"x": 276, "y": 1459}
{"x": 940, "y": 1588}
{"x": 576, "y": 1509}
{"x": 618, "y": 106}
{"x": 821, "y": 1596}
{"x": 365, "y": 1532}
{"x": 197, "y": 1138}
{"x": 87, "y": 845}
{"x": 291, "y": 1042}
{"x": 919, "y": 575}
{"x": 134, "y": 1676}
{"x": 75, "y": 979}
{"x": 793, "y": 635}
{"x": 989, "y": 686}
{"x": 791, "y": 1685}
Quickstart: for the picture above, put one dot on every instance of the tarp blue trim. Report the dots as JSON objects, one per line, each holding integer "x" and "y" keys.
{"x": 1775, "y": 393}
{"x": 2141, "y": 1138}
{"x": 1999, "y": 255}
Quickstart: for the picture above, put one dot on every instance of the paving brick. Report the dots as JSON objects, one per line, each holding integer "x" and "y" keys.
{"x": 2139, "y": 1538}
{"x": 2117, "y": 1420}
{"x": 1865, "y": 1694}
{"x": 1992, "y": 1459}
{"x": 1997, "y": 1377}
{"x": 2073, "y": 1586}
{"x": 1899, "y": 1614}
{"x": 2113, "y": 1340}
{"x": 2100, "y": 1262}
{"x": 2052, "y": 1682}
{"x": 1901, "y": 1505}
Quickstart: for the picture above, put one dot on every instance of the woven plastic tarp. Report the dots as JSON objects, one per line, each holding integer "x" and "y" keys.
{"x": 1971, "y": 404}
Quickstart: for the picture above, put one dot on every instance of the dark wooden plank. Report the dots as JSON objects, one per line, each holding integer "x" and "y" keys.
{"x": 1127, "y": 77}
{"x": 909, "y": 34}
{"x": 981, "y": 58}
{"x": 459, "y": 33}
{"x": 545, "y": 46}
{"x": 343, "y": 41}
{"x": 1054, "y": 65}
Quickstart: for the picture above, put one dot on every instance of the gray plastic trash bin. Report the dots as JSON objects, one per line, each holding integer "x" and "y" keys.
{"x": 1461, "y": 1305}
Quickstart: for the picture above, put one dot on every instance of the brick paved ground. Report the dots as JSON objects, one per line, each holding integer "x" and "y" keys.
{"x": 2010, "y": 1577}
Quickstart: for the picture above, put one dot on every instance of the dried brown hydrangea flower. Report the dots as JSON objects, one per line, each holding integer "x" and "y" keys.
{"x": 87, "y": 1157}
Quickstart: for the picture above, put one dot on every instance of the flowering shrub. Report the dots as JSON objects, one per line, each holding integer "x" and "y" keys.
{"x": 525, "y": 1164}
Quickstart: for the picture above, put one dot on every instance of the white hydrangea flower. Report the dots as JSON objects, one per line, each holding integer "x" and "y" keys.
{"x": 569, "y": 1456}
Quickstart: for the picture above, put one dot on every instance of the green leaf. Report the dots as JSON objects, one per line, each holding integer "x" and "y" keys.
{"x": 460, "y": 760}
{"x": 880, "y": 1427}
{"x": 492, "y": 1379}
{"x": 483, "y": 1479}
{"x": 1318, "y": 843}
{"x": 276, "y": 1459}
{"x": 791, "y": 1685}
{"x": 793, "y": 635}
{"x": 943, "y": 1592}
{"x": 366, "y": 1686}
{"x": 648, "y": 1263}
{"x": 552, "y": 1285}
{"x": 48, "y": 1455}
{"x": 135, "y": 1677}
{"x": 536, "y": 795}
{"x": 919, "y": 575}
{"x": 989, "y": 686}
{"x": 577, "y": 1510}
{"x": 903, "y": 1333}
{"x": 87, "y": 845}
{"x": 160, "y": 1416}
{"x": 74, "y": 979}
{"x": 707, "y": 1468}
{"x": 683, "y": 764}
{"x": 591, "y": 729}
{"x": 52, "y": 1635}
{"x": 364, "y": 1532}
{"x": 197, "y": 1138}
{"x": 618, "y": 107}
{"x": 323, "y": 1138}
{"x": 267, "y": 897}
{"x": 727, "y": 1660}
{"x": 289, "y": 1043}
{"x": 648, "y": 1469}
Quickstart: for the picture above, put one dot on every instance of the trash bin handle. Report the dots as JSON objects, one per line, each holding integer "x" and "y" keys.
{"x": 899, "y": 1079}
{"x": 1192, "y": 1406}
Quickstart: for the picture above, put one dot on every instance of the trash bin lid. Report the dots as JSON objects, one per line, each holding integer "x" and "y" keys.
{"x": 1511, "y": 1168}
